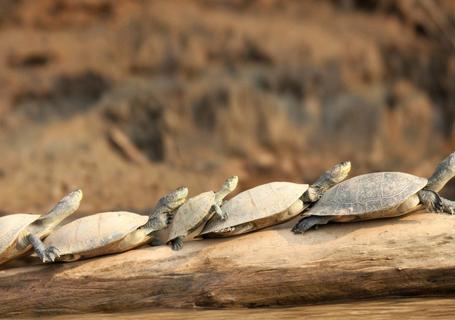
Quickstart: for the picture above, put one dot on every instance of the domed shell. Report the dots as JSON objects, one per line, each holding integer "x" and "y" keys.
{"x": 191, "y": 214}
{"x": 94, "y": 231}
{"x": 11, "y": 226}
{"x": 368, "y": 193}
{"x": 257, "y": 203}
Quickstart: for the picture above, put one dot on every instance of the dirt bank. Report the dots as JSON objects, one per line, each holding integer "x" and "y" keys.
{"x": 129, "y": 99}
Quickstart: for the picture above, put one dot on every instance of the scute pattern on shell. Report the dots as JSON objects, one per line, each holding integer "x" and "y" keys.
{"x": 259, "y": 202}
{"x": 94, "y": 231}
{"x": 191, "y": 213}
{"x": 11, "y": 226}
{"x": 368, "y": 193}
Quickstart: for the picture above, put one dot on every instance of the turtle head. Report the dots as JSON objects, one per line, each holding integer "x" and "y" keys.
{"x": 331, "y": 177}
{"x": 228, "y": 186}
{"x": 231, "y": 183}
{"x": 74, "y": 197}
{"x": 451, "y": 161}
{"x": 64, "y": 208}
{"x": 70, "y": 202}
{"x": 340, "y": 171}
{"x": 174, "y": 199}
{"x": 443, "y": 173}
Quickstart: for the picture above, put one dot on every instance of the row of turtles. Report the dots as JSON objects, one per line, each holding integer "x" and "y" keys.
{"x": 208, "y": 215}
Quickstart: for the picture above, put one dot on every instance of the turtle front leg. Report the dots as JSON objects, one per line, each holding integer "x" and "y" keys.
{"x": 431, "y": 200}
{"x": 48, "y": 254}
{"x": 435, "y": 203}
{"x": 309, "y": 222}
{"x": 223, "y": 215}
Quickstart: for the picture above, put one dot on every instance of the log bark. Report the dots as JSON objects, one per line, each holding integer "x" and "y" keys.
{"x": 413, "y": 255}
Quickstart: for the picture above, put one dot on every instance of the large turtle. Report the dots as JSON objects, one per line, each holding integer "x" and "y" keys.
{"x": 21, "y": 232}
{"x": 381, "y": 195}
{"x": 113, "y": 232}
{"x": 271, "y": 203}
{"x": 192, "y": 216}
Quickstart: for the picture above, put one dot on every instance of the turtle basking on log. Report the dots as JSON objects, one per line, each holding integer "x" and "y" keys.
{"x": 381, "y": 195}
{"x": 192, "y": 216}
{"x": 21, "y": 232}
{"x": 113, "y": 232}
{"x": 271, "y": 203}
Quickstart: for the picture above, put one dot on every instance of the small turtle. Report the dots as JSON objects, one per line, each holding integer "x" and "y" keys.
{"x": 20, "y": 232}
{"x": 271, "y": 203}
{"x": 381, "y": 195}
{"x": 192, "y": 216}
{"x": 113, "y": 232}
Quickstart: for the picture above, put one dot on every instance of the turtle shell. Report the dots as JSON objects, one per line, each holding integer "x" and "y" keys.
{"x": 191, "y": 214}
{"x": 260, "y": 202}
{"x": 94, "y": 232}
{"x": 368, "y": 193}
{"x": 10, "y": 228}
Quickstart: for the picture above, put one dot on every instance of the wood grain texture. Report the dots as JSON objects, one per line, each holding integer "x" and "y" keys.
{"x": 408, "y": 256}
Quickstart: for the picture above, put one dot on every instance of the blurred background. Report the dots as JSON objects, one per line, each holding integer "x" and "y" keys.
{"x": 130, "y": 99}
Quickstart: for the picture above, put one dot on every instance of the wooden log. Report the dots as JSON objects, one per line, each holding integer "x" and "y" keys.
{"x": 408, "y": 256}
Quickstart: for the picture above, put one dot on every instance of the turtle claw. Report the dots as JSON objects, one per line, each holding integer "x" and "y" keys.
{"x": 442, "y": 205}
{"x": 438, "y": 206}
{"x": 176, "y": 246}
{"x": 449, "y": 210}
{"x": 50, "y": 254}
{"x": 177, "y": 243}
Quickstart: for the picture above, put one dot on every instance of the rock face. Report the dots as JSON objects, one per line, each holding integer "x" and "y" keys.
{"x": 162, "y": 93}
{"x": 390, "y": 257}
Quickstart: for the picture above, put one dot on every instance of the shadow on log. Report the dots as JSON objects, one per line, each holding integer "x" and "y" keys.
{"x": 408, "y": 256}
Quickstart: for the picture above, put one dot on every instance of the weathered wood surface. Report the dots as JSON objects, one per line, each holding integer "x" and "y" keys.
{"x": 413, "y": 255}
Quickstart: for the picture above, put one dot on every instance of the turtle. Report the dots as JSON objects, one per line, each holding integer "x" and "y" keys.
{"x": 21, "y": 232}
{"x": 113, "y": 232}
{"x": 381, "y": 195}
{"x": 191, "y": 217}
{"x": 271, "y": 203}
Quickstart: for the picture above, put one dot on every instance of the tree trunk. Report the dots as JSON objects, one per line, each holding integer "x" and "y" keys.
{"x": 413, "y": 255}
